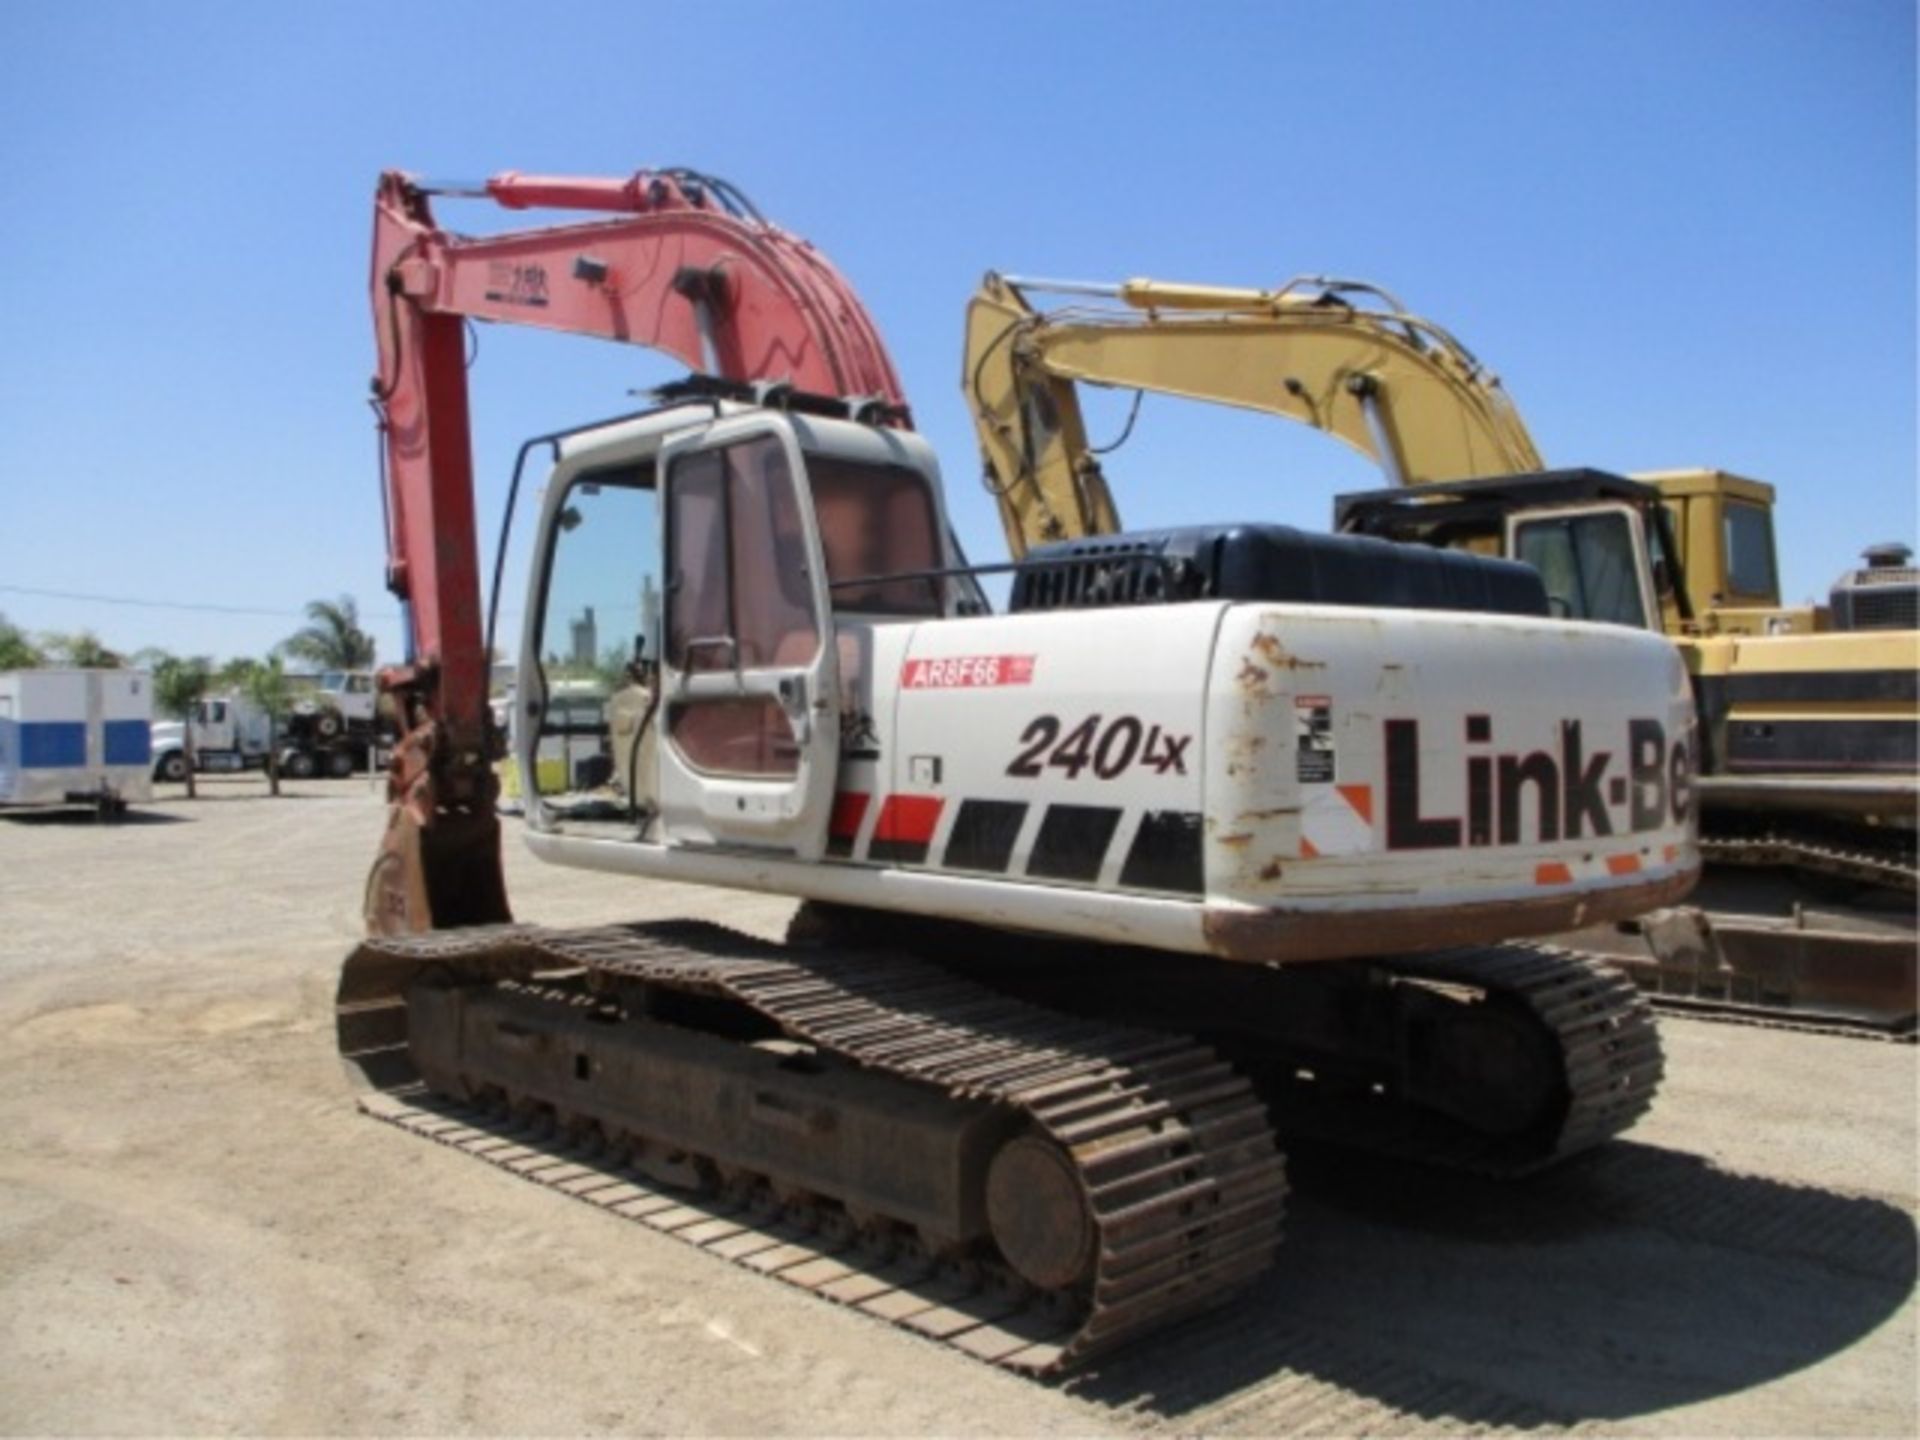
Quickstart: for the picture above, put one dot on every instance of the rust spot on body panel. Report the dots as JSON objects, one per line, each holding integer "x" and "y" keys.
{"x": 1278, "y": 656}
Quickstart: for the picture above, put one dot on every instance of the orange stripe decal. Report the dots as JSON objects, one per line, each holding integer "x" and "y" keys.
{"x": 908, "y": 818}
{"x": 1307, "y": 852}
{"x": 1623, "y": 864}
{"x": 1552, "y": 873}
{"x": 1360, "y": 797}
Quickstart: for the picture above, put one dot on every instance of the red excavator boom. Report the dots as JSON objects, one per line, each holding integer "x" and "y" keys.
{"x": 688, "y": 268}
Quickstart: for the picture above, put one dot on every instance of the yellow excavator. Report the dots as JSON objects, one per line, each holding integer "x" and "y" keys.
{"x": 1807, "y": 713}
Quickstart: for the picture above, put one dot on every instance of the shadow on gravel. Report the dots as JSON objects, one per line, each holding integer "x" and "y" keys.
{"x": 1629, "y": 1281}
{"x": 84, "y": 815}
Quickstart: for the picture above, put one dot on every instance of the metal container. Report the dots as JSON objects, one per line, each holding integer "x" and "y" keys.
{"x": 70, "y": 737}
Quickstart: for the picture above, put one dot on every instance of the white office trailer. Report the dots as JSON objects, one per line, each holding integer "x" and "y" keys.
{"x": 76, "y": 737}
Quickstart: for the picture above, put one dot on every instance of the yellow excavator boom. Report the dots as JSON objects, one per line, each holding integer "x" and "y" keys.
{"x": 1340, "y": 355}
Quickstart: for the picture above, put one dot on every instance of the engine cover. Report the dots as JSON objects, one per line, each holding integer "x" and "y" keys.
{"x": 1885, "y": 595}
{"x": 1271, "y": 563}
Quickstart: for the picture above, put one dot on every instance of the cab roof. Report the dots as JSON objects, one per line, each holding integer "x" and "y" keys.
{"x": 1487, "y": 499}
{"x": 1674, "y": 484}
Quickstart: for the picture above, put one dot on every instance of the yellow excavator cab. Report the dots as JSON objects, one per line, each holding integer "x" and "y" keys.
{"x": 1723, "y": 527}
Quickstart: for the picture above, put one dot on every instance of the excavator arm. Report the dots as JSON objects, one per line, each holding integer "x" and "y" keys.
{"x": 688, "y": 267}
{"x": 1342, "y": 356}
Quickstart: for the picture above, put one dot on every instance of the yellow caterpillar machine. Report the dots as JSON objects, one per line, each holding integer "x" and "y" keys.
{"x": 1808, "y": 713}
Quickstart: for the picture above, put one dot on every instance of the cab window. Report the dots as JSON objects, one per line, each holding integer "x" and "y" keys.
{"x": 876, "y": 520}
{"x": 739, "y": 597}
{"x": 1749, "y": 541}
{"x": 738, "y": 591}
{"x": 1588, "y": 564}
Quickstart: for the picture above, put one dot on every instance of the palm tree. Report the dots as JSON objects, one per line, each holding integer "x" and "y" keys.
{"x": 264, "y": 683}
{"x": 333, "y": 639}
{"x": 235, "y": 673}
{"x": 179, "y": 684}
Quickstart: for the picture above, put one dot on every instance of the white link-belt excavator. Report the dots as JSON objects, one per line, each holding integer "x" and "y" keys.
{"x": 1189, "y": 846}
{"x": 1808, "y": 714}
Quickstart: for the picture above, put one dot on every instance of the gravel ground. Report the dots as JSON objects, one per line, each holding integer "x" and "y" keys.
{"x": 199, "y": 1234}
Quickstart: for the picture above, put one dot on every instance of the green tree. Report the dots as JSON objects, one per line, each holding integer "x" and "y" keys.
{"x": 264, "y": 683}
{"x": 332, "y": 639}
{"x": 235, "y": 673}
{"x": 80, "y": 648}
{"x": 180, "y": 682}
{"x": 17, "y": 651}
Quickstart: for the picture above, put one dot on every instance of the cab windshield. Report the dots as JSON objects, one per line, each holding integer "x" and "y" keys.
{"x": 1589, "y": 565}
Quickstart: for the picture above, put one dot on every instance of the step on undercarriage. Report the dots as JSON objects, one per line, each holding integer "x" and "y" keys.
{"x": 1032, "y": 1186}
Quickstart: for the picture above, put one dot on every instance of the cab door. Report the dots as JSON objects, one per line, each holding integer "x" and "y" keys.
{"x": 750, "y": 725}
{"x": 213, "y": 729}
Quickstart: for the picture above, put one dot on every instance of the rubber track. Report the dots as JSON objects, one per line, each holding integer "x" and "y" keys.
{"x": 1606, "y": 1034}
{"x": 1177, "y": 1161}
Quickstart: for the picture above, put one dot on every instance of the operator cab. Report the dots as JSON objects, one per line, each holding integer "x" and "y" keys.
{"x": 1600, "y": 542}
{"x": 706, "y": 583}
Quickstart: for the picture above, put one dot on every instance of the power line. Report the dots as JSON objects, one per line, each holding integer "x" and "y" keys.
{"x": 140, "y": 603}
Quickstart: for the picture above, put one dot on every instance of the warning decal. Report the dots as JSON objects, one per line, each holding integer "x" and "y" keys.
{"x": 1313, "y": 739}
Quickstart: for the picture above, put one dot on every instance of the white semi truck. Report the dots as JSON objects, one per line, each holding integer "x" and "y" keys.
{"x": 330, "y": 732}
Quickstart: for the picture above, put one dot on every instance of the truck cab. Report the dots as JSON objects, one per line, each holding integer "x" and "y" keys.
{"x": 351, "y": 694}
{"x": 229, "y": 733}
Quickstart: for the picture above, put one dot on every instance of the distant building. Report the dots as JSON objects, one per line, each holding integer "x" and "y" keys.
{"x": 586, "y": 638}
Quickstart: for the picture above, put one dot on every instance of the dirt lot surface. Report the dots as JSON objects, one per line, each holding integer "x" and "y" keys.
{"x": 199, "y": 1233}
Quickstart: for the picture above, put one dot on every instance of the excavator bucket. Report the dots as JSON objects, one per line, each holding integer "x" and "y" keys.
{"x": 436, "y": 875}
{"x": 439, "y": 863}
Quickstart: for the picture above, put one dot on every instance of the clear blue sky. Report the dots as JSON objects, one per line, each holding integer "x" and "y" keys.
{"x": 1683, "y": 232}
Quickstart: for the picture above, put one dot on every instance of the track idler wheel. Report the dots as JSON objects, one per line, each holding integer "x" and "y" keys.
{"x": 1038, "y": 1215}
